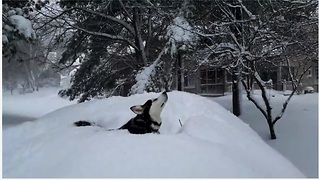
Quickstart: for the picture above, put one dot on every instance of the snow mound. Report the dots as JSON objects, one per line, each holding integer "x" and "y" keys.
{"x": 211, "y": 143}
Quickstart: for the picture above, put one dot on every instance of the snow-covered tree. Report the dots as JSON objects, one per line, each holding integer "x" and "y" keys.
{"x": 181, "y": 39}
{"x": 15, "y": 28}
{"x": 23, "y": 42}
{"x": 18, "y": 38}
{"x": 248, "y": 36}
{"x": 117, "y": 35}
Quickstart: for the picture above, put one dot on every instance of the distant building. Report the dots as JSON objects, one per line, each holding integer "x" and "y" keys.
{"x": 209, "y": 81}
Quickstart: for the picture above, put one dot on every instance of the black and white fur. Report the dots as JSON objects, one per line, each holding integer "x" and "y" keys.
{"x": 147, "y": 120}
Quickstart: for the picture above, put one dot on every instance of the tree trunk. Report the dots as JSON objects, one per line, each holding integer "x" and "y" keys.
{"x": 179, "y": 71}
{"x": 140, "y": 54}
{"x": 182, "y": 73}
{"x": 235, "y": 94}
{"x": 29, "y": 75}
{"x": 11, "y": 90}
{"x": 271, "y": 129}
{"x": 23, "y": 87}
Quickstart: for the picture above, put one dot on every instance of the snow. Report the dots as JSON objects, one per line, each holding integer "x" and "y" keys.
{"x": 11, "y": 12}
{"x": 211, "y": 143}
{"x": 143, "y": 78}
{"x": 297, "y": 130}
{"x": 258, "y": 78}
{"x": 19, "y": 11}
{"x": 309, "y": 88}
{"x": 4, "y": 39}
{"x": 23, "y": 25}
{"x": 34, "y": 104}
{"x": 223, "y": 46}
{"x": 179, "y": 31}
{"x": 8, "y": 28}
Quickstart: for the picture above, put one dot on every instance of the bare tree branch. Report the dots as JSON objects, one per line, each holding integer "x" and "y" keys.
{"x": 105, "y": 35}
{"x": 116, "y": 20}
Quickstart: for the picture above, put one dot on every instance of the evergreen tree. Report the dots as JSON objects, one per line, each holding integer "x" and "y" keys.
{"x": 18, "y": 42}
{"x": 121, "y": 37}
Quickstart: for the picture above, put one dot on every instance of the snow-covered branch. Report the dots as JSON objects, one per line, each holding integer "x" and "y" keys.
{"x": 180, "y": 34}
{"x": 285, "y": 104}
{"x": 252, "y": 99}
{"x": 143, "y": 78}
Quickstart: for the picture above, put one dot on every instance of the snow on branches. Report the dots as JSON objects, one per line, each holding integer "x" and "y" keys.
{"x": 143, "y": 78}
{"x": 16, "y": 24}
{"x": 23, "y": 26}
{"x": 180, "y": 34}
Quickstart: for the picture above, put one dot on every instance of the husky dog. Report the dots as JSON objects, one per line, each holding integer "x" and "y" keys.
{"x": 147, "y": 120}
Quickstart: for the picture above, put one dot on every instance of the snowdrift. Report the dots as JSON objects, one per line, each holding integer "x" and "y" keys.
{"x": 211, "y": 143}
{"x": 19, "y": 104}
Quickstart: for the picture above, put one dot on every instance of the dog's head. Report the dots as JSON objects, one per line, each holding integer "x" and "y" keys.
{"x": 152, "y": 107}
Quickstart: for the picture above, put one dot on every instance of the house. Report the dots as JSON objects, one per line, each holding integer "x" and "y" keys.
{"x": 215, "y": 81}
{"x": 281, "y": 77}
{"x": 207, "y": 81}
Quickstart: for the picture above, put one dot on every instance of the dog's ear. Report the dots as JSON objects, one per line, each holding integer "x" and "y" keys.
{"x": 138, "y": 109}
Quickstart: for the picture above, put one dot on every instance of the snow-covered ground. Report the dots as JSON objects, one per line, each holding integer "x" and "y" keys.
{"x": 33, "y": 105}
{"x": 211, "y": 143}
{"x": 297, "y": 131}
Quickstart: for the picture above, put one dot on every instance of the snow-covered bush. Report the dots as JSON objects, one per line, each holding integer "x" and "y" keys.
{"x": 308, "y": 89}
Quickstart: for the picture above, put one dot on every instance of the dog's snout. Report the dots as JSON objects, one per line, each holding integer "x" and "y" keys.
{"x": 165, "y": 94}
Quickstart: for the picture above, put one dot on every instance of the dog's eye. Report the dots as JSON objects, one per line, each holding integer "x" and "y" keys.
{"x": 154, "y": 99}
{"x": 162, "y": 104}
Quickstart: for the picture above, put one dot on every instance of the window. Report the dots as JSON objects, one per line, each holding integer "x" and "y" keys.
{"x": 203, "y": 89}
{"x": 220, "y": 75}
{"x": 285, "y": 74}
{"x": 189, "y": 79}
{"x": 211, "y": 76}
{"x": 309, "y": 73}
{"x": 229, "y": 77}
{"x": 212, "y": 81}
{"x": 203, "y": 76}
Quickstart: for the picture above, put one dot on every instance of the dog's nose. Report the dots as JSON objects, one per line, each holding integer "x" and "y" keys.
{"x": 165, "y": 94}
